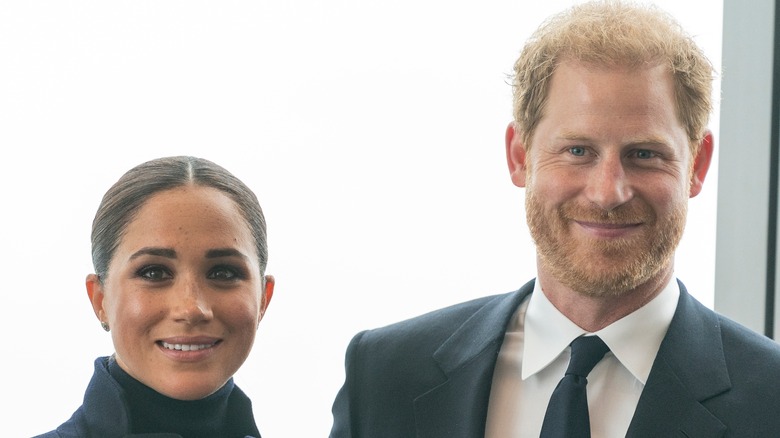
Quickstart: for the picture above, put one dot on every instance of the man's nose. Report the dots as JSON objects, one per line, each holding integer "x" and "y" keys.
{"x": 608, "y": 185}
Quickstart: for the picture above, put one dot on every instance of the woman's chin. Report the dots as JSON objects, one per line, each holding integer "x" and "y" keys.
{"x": 189, "y": 391}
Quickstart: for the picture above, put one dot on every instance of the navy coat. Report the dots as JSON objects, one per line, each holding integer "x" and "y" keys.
{"x": 104, "y": 414}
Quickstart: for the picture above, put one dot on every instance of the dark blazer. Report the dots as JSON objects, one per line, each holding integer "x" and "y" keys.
{"x": 105, "y": 415}
{"x": 430, "y": 376}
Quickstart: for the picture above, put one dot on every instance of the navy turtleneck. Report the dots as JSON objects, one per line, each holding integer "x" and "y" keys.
{"x": 150, "y": 411}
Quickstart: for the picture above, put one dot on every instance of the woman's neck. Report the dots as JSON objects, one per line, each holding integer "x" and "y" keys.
{"x": 151, "y": 412}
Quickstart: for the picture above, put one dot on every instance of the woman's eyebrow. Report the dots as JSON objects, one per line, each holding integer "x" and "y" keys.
{"x": 224, "y": 252}
{"x": 154, "y": 251}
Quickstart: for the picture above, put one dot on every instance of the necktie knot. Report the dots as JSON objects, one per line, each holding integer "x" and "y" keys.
{"x": 586, "y": 352}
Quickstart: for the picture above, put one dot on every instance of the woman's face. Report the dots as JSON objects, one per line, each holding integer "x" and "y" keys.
{"x": 183, "y": 294}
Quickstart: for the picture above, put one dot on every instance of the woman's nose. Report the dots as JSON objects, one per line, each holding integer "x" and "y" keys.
{"x": 191, "y": 303}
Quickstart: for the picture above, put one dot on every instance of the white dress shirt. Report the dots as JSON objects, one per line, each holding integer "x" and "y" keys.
{"x": 535, "y": 353}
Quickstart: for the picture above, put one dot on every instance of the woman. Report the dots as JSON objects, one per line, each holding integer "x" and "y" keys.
{"x": 179, "y": 251}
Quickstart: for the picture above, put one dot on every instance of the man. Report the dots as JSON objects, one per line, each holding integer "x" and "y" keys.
{"x": 609, "y": 140}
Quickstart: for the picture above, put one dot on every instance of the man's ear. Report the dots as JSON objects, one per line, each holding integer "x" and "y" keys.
{"x": 96, "y": 295}
{"x": 268, "y": 293}
{"x": 701, "y": 163}
{"x": 515, "y": 155}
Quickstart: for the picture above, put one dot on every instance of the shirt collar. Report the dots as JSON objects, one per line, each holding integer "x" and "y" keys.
{"x": 633, "y": 339}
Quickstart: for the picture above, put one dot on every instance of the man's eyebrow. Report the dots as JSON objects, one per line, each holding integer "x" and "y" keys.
{"x": 224, "y": 252}
{"x": 648, "y": 141}
{"x": 633, "y": 141}
{"x": 154, "y": 251}
{"x": 573, "y": 136}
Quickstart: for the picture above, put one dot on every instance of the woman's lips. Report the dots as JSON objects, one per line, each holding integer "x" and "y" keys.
{"x": 188, "y": 348}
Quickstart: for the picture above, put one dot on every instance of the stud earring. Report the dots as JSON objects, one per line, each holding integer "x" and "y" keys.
{"x": 105, "y": 326}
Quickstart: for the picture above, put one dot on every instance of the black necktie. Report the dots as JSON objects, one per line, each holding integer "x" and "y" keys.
{"x": 567, "y": 413}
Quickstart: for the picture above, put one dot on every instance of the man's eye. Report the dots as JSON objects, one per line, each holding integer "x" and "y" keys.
{"x": 577, "y": 151}
{"x": 645, "y": 154}
{"x": 154, "y": 273}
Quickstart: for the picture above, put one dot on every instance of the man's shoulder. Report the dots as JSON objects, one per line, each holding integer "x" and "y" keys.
{"x": 453, "y": 314}
{"x": 52, "y": 434}
{"x": 741, "y": 346}
{"x": 752, "y": 360}
{"x": 753, "y": 369}
{"x": 440, "y": 321}
{"x": 744, "y": 346}
{"x": 426, "y": 332}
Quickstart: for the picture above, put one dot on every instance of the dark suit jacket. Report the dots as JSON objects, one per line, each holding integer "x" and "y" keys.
{"x": 430, "y": 376}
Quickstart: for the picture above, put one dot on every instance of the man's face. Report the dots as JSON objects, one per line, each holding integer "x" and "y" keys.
{"x": 607, "y": 177}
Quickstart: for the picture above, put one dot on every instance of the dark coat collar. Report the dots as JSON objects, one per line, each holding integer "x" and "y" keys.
{"x": 104, "y": 414}
{"x": 690, "y": 367}
{"x": 458, "y": 406}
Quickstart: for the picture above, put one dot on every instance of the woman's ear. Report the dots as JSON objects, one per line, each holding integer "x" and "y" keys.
{"x": 268, "y": 292}
{"x": 96, "y": 295}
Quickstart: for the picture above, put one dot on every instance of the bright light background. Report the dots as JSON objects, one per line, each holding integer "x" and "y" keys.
{"x": 371, "y": 131}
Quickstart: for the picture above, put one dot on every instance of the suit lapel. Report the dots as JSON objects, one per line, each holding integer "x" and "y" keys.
{"x": 690, "y": 367}
{"x": 458, "y": 406}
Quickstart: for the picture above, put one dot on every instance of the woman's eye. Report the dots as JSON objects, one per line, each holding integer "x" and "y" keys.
{"x": 154, "y": 273}
{"x": 577, "y": 151}
{"x": 223, "y": 273}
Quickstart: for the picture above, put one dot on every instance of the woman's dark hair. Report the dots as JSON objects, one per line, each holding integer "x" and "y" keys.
{"x": 123, "y": 200}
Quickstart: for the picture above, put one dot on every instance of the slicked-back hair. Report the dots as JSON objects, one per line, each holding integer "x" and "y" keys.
{"x": 123, "y": 200}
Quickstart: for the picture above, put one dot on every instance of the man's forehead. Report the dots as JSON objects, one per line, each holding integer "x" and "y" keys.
{"x": 594, "y": 65}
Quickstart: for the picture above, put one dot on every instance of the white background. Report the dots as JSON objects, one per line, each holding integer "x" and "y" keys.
{"x": 371, "y": 131}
